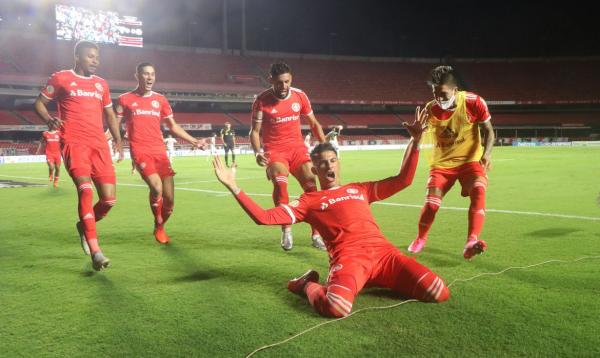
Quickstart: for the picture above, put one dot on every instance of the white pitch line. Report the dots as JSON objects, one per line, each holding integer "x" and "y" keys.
{"x": 225, "y": 193}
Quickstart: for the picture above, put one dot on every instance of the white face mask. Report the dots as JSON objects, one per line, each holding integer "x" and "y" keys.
{"x": 446, "y": 104}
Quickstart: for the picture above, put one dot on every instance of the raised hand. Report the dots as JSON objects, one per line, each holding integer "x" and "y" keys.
{"x": 225, "y": 175}
{"x": 417, "y": 127}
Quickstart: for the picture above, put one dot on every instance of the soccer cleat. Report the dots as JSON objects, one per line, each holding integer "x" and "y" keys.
{"x": 317, "y": 242}
{"x": 297, "y": 284}
{"x": 160, "y": 235}
{"x": 474, "y": 247}
{"x": 287, "y": 240}
{"x": 84, "y": 244}
{"x": 99, "y": 261}
{"x": 417, "y": 245}
{"x": 55, "y": 183}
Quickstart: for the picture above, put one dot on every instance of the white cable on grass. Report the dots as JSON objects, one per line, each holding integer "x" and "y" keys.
{"x": 413, "y": 300}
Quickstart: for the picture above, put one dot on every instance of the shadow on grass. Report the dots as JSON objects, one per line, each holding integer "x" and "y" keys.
{"x": 553, "y": 232}
{"x": 186, "y": 262}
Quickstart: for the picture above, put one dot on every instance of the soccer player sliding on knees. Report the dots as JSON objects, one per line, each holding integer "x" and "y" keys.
{"x": 359, "y": 253}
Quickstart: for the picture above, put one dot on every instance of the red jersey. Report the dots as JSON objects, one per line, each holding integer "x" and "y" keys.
{"x": 52, "y": 141}
{"x": 81, "y": 101}
{"x": 281, "y": 118}
{"x": 143, "y": 115}
{"x": 477, "y": 109}
{"x": 341, "y": 215}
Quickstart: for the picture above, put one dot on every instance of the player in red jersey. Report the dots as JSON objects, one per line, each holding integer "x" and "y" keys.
{"x": 51, "y": 141}
{"x": 276, "y": 115}
{"x": 359, "y": 253}
{"x": 456, "y": 122}
{"x": 143, "y": 111}
{"x": 83, "y": 98}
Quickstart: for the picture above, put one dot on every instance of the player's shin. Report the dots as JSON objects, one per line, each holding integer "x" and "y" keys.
{"x": 156, "y": 205}
{"x": 476, "y": 210}
{"x": 103, "y": 206}
{"x": 431, "y": 207}
{"x": 86, "y": 215}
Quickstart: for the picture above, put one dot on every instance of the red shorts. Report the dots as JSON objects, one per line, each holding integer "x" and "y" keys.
{"x": 444, "y": 178}
{"x": 82, "y": 160}
{"x": 148, "y": 164}
{"x": 53, "y": 158}
{"x": 383, "y": 267}
{"x": 292, "y": 158}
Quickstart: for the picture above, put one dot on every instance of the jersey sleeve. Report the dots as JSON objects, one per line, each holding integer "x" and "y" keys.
{"x": 165, "y": 108}
{"x": 50, "y": 91}
{"x": 106, "y": 100}
{"x": 479, "y": 110}
{"x": 120, "y": 109}
{"x": 306, "y": 106}
{"x": 256, "y": 107}
{"x": 383, "y": 189}
{"x": 281, "y": 215}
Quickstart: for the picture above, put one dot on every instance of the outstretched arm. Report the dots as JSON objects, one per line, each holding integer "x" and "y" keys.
{"x": 387, "y": 187}
{"x": 179, "y": 132}
{"x": 275, "y": 216}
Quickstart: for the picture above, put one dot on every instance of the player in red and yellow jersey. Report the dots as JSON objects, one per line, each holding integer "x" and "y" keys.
{"x": 456, "y": 122}
{"x": 143, "y": 111}
{"x": 51, "y": 141}
{"x": 276, "y": 115}
{"x": 83, "y": 98}
{"x": 359, "y": 253}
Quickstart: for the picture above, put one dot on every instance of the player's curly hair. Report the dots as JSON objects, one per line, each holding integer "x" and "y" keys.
{"x": 82, "y": 45}
{"x": 279, "y": 68}
{"x": 320, "y": 148}
{"x": 442, "y": 75}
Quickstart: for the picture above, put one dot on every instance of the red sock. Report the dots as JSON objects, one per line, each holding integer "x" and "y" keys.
{"x": 332, "y": 302}
{"x": 85, "y": 192}
{"x": 166, "y": 212}
{"x": 419, "y": 282}
{"x": 103, "y": 206}
{"x": 476, "y": 210}
{"x": 280, "y": 193}
{"x": 432, "y": 205}
{"x": 156, "y": 204}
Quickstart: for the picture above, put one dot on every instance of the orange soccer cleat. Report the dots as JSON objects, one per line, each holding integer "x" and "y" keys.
{"x": 161, "y": 235}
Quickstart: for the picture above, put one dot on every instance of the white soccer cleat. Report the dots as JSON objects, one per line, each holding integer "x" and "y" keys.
{"x": 287, "y": 240}
{"x": 84, "y": 244}
{"x": 317, "y": 242}
{"x": 99, "y": 261}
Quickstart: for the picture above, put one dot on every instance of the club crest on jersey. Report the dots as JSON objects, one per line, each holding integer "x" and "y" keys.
{"x": 352, "y": 191}
{"x": 73, "y": 84}
{"x": 142, "y": 165}
{"x": 155, "y": 104}
{"x": 324, "y": 206}
{"x": 50, "y": 89}
{"x": 273, "y": 111}
{"x": 99, "y": 87}
{"x": 296, "y": 107}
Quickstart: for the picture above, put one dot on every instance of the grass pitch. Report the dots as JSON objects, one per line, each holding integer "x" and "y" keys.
{"x": 220, "y": 288}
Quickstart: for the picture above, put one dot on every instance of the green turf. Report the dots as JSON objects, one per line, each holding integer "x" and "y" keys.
{"x": 220, "y": 288}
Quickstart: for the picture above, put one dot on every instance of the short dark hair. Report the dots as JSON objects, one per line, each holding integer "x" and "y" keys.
{"x": 140, "y": 66}
{"x": 82, "y": 45}
{"x": 320, "y": 148}
{"x": 279, "y": 68}
{"x": 443, "y": 75}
